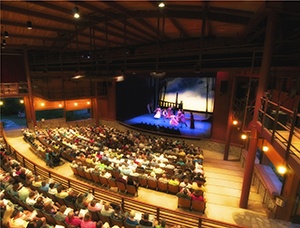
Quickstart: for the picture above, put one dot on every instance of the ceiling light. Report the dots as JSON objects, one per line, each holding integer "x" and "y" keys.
{"x": 6, "y": 35}
{"x": 29, "y": 25}
{"x": 76, "y": 12}
{"x": 161, "y": 5}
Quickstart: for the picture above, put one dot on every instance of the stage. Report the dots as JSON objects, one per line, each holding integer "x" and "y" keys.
{"x": 162, "y": 125}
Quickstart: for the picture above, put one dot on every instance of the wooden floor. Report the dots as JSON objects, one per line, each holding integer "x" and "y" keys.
{"x": 223, "y": 189}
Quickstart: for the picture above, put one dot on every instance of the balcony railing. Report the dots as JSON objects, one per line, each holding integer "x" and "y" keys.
{"x": 283, "y": 124}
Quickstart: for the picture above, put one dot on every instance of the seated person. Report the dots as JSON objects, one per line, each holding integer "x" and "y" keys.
{"x": 131, "y": 219}
{"x": 22, "y": 219}
{"x": 73, "y": 220}
{"x": 145, "y": 220}
{"x": 184, "y": 193}
{"x": 59, "y": 215}
{"x": 173, "y": 181}
{"x": 94, "y": 205}
{"x": 118, "y": 213}
{"x": 198, "y": 196}
{"x": 107, "y": 210}
{"x": 87, "y": 221}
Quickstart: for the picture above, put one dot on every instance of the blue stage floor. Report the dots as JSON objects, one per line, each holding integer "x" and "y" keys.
{"x": 202, "y": 126}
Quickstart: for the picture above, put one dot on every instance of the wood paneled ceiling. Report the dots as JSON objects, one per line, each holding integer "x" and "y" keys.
{"x": 138, "y": 35}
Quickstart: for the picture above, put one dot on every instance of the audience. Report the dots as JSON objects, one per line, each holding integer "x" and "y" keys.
{"x": 106, "y": 152}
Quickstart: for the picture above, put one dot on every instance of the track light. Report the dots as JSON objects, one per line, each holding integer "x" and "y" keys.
{"x": 76, "y": 12}
{"x": 6, "y": 35}
{"x": 29, "y": 25}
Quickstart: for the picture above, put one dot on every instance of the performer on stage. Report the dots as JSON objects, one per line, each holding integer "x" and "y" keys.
{"x": 164, "y": 114}
{"x": 169, "y": 112}
{"x": 173, "y": 120}
{"x": 192, "y": 121}
{"x": 157, "y": 112}
{"x": 181, "y": 117}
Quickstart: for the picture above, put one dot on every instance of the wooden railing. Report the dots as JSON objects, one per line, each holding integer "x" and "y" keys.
{"x": 174, "y": 217}
{"x": 281, "y": 122}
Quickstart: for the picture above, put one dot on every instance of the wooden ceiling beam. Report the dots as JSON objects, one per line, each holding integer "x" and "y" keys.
{"x": 109, "y": 17}
{"x": 131, "y": 14}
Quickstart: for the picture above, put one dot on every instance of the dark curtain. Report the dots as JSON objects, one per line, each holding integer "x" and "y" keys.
{"x": 12, "y": 69}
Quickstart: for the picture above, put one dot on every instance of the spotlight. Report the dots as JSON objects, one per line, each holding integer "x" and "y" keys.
{"x": 29, "y": 25}
{"x": 76, "y": 12}
{"x": 6, "y": 35}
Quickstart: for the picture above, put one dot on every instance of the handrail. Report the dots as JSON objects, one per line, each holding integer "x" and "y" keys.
{"x": 171, "y": 216}
{"x": 271, "y": 121}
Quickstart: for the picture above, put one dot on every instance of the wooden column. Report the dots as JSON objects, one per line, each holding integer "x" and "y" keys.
{"x": 31, "y": 119}
{"x": 262, "y": 85}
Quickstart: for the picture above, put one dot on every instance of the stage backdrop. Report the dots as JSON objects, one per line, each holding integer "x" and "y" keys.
{"x": 197, "y": 94}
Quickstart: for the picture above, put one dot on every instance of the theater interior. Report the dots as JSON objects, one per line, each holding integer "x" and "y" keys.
{"x": 233, "y": 64}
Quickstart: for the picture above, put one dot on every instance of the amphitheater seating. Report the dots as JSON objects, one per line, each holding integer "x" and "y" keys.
{"x": 162, "y": 186}
{"x": 131, "y": 190}
{"x": 198, "y": 206}
{"x": 173, "y": 189}
{"x": 152, "y": 184}
{"x": 121, "y": 186}
{"x": 184, "y": 203}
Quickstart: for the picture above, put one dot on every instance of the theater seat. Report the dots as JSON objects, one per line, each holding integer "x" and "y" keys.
{"x": 198, "y": 206}
{"x": 184, "y": 203}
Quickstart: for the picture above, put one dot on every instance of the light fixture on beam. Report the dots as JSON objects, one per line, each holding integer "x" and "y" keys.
{"x": 76, "y": 12}
{"x": 78, "y": 75}
{"x": 29, "y": 25}
{"x": 156, "y": 74}
{"x": 6, "y": 35}
{"x": 161, "y": 4}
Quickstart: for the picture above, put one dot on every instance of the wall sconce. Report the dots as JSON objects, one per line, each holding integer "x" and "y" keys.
{"x": 281, "y": 170}
{"x": 60, "y": 105}
{"x": 22, "y": 101}
{"x": 244, "y": 136}
{"x": 3, "y": 42}
{"x": 42, "y": 104}
{"x": 265, "y": 148}
{"x": 1, "y": 103}
{"x": 235, "y": 122}
{"x": 75, "y": 104}
{"x": 88, "y": 103}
